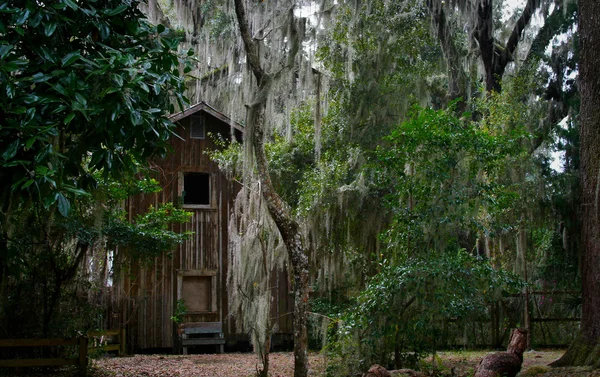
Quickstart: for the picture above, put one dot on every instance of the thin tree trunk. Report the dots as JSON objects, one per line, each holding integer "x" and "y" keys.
{"x": 287, "y": 226}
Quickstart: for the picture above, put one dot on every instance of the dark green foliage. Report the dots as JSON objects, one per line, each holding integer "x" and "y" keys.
{"x": 57, "y": 267}
{"x": 402, "y": 314}
{"x": 149, "y": 235}
{"x": 85, "y": 87}
{"x": 85, "y": 90}
{"x": 440, "y": 172}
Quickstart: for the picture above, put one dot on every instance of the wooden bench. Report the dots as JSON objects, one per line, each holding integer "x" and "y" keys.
{"x": 201, "y": 333}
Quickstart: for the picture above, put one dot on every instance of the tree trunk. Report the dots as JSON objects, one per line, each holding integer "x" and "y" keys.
{"x": 585, "y": 350}
{"x": 287, "y": 226}
{"x": 457, "y": 77}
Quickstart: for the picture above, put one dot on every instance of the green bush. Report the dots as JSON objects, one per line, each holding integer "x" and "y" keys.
{"x": 401, "y": 315}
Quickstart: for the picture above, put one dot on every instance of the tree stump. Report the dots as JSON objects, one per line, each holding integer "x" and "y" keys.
{"x": 505, "y": 364}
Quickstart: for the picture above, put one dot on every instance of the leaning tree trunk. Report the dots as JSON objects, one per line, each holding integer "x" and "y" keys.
{"x": 585, "y": 350}
{"x": 287, "y": 226}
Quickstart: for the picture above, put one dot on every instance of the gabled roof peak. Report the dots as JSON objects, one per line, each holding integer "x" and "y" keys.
{"x": 203, "y": 106}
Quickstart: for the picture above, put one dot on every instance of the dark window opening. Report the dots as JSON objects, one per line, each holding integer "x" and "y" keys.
{"x": 196, "y": 188}
{"x": 197, "y": 129}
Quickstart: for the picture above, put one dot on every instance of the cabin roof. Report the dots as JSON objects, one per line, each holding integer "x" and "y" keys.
{"x": 203, "y": 106}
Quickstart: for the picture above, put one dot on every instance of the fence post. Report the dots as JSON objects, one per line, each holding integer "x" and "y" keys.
{"x": 83, "y": 348}
{"x": 122, "y": 340}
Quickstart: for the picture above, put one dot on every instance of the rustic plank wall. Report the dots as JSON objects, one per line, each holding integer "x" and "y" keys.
{"x": 145, "y": 295}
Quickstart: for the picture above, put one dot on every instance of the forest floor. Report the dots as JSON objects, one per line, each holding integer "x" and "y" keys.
{"x": 458, "y": 364}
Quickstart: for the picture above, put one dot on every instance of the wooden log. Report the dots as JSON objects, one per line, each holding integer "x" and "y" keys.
{"x": 505, "y": 364}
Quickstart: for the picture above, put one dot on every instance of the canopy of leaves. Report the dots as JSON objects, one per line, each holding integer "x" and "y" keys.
{"x": 85, "y": 86}
{"x": 439, "y": 170}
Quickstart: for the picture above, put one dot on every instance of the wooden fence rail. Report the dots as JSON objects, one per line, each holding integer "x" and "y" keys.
{"x": 80, "y": 360}
{"x": 97, "y": 337}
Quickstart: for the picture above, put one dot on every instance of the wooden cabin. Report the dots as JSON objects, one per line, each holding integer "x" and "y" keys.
{"x": 146, "y": 297}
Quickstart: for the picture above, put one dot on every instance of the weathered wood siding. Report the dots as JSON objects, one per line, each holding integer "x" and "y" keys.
{"x": 145, "y": 295}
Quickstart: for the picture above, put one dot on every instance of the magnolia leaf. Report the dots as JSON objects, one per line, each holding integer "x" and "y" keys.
{"x": 11, "y": 151}
{"x": 69, "y": 118}
{"x": 64, "y": 206}
{"x": 71, "y": 4}
{"x": 4, "y": 50}
{"x": 113, "y": 12}
{"x": 23, "y": 17}
{"x": 50, "y": 28}
{"x": 70, "y": 58}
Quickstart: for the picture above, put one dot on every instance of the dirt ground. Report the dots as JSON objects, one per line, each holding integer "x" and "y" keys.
{"x": 535, "y": 363}
{"x": 208, "y": 365}
{"x": 451, "y": 364}
{"x": 244, "y": 365}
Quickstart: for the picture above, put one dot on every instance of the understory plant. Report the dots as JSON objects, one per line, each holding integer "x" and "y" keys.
{"x": 403, "y": 313}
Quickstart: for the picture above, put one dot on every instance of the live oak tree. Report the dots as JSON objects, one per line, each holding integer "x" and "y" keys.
{"x": 286, "y": 224}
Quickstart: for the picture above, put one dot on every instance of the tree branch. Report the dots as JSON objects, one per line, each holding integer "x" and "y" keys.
{"x": 249, "y": 43}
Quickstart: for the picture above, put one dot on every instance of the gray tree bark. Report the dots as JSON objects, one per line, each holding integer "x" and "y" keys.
{"x": 585, "y": 350}
{"x": 288, "y": 227}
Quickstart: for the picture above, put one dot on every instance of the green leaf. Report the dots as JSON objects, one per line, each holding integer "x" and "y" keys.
{"x": 144, "y": 87}
{"x": 50, "y": 28}
{"x": 136, "y": 118}
{"x": 70, "y": 58}
{"x": 11, "y": 151}
{"x": 113, "y": 12}
{"x": 81, "y": 99}
{"x": 104, "y": 30}
{"x": 160, "y": 28}
{"x": 27, "y": 183}
{"x": 23, "y": 17}
{"x": 76, "y": 191}
{"x": 10, "y": 90}
{"x": 45, "y": 53}
{"x": 4, "y": 50}
{"x": 29, "y": 142}
{"x": 97, "y": 157}
{"x": 117, "y": 79}
{"x": 60, "y": 89}
{"x": 40, "y": 77}
{"x": 64, "y": 206}
{"x": 71, "y": 4}
{"x": 69, "y": 118}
